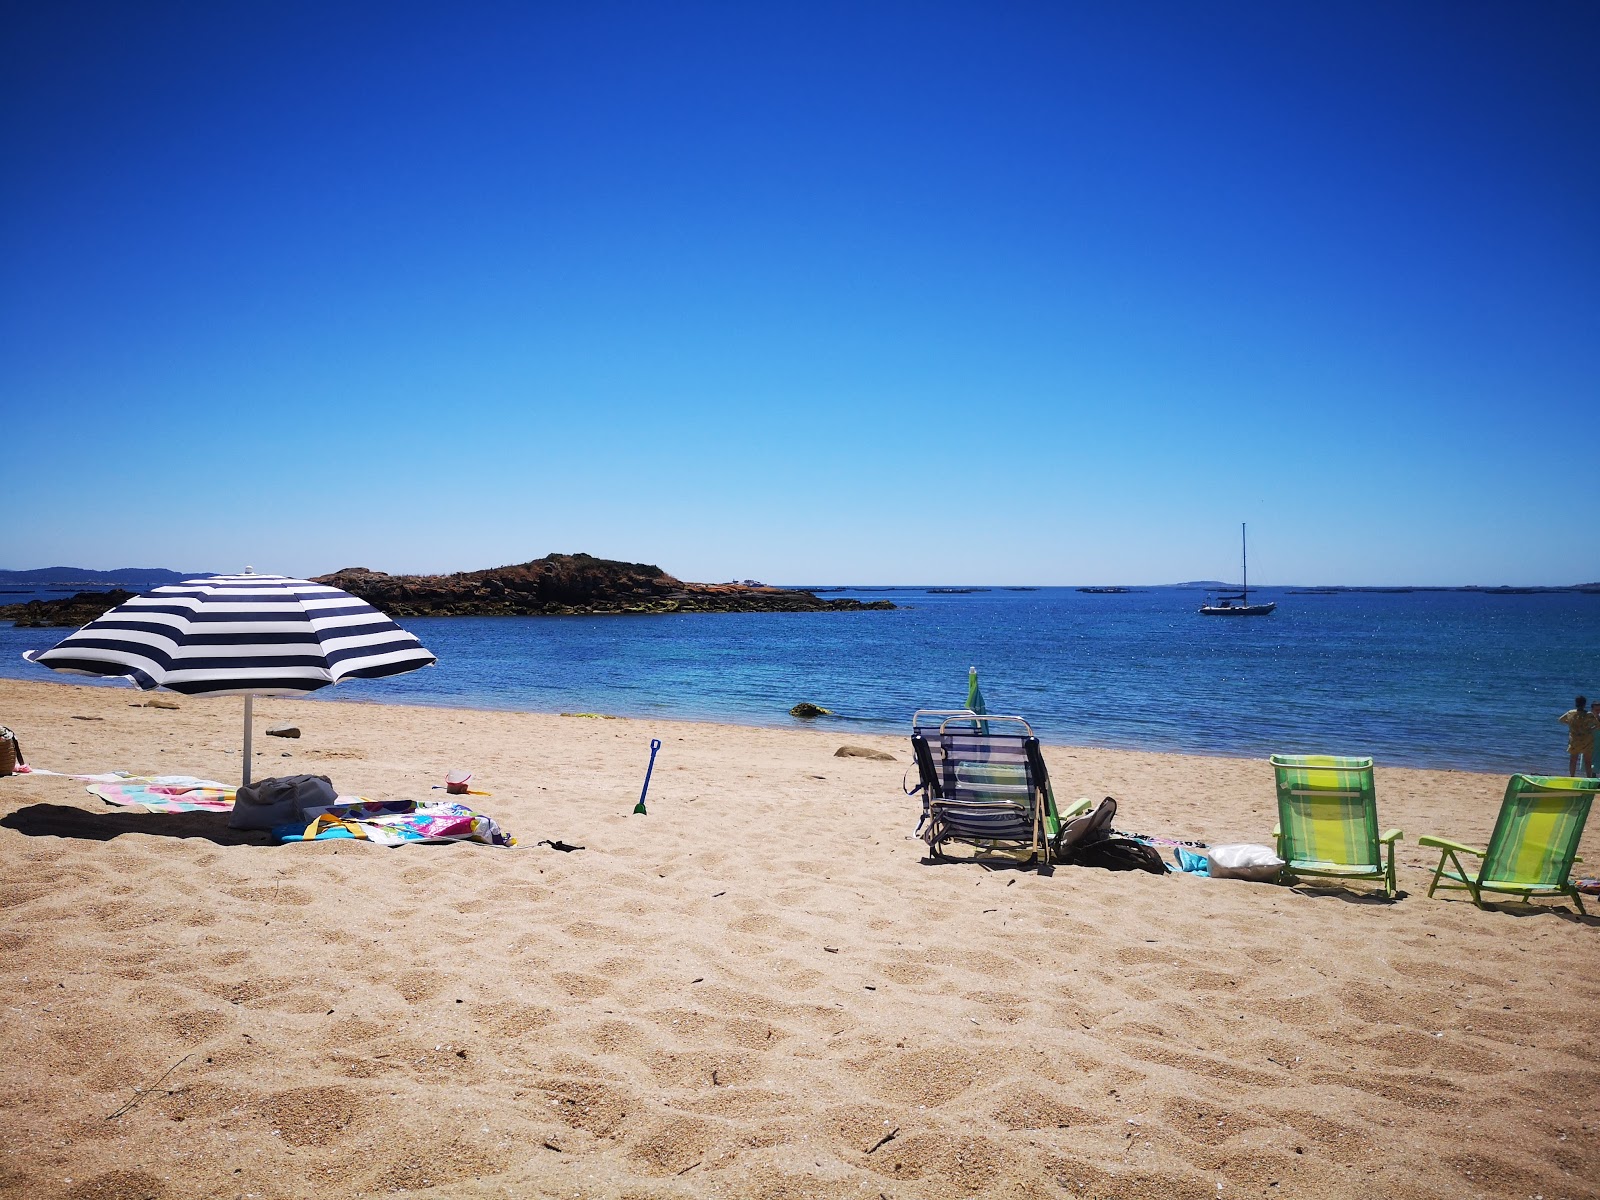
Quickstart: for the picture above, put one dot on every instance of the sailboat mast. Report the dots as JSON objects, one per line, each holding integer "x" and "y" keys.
{"x": 1244, "y": 565}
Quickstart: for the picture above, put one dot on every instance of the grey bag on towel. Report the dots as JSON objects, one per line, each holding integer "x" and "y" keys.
{"x": 269, "y": 802}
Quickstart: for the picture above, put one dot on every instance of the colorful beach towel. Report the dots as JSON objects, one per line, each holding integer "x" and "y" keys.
{"x": 103, "y": 777}
{"x": 396, "y": 823}
{"x": 167, "y": 793}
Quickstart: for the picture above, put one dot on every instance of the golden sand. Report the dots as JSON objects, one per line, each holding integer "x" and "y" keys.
{"x": 758, "y": 990}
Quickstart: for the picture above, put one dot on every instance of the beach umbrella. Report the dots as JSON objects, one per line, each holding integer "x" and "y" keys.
{"x": 975, "y": 698}
{"x": 974, "y": 695}
{"x": 239, "y": 635}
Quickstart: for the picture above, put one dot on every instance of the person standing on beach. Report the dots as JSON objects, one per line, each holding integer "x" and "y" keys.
{"x": 1580, "y": 723}
{"x": 1594, "y": 723}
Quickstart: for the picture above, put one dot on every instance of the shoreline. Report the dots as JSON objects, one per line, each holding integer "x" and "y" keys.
{"x": 846, "y": 726}
{"x": 759, "y": 988}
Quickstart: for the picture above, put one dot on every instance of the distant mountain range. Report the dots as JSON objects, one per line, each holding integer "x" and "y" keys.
{"x": 132, "y": 578}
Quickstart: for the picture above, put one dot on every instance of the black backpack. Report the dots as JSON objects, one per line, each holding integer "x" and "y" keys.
{"x": 1079, "y": 831}
{"x": 1089, "y": 841}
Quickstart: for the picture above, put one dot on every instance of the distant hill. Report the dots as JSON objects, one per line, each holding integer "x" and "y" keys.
{"x": 136, "y": 578}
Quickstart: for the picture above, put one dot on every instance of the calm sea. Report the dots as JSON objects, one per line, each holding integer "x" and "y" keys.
{"x": 1435, "y": 679}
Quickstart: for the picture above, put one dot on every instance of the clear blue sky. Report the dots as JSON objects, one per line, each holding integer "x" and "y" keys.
{"x": 828, "y": 292}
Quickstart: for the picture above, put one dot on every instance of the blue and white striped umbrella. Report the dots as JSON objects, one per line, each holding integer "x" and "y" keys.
{"x": 239, "y": 635}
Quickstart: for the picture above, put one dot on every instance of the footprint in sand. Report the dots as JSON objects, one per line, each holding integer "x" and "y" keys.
{"x": 669, "y": 1146}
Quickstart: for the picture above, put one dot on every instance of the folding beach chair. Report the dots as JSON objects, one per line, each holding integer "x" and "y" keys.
{"x": 1328, "y": 820}
{"x": 1533, "y": 846}
{"x": 984, "y": 784}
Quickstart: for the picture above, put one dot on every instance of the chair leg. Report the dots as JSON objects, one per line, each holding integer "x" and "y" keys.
{"x": 1466, "y": 880}
{"x": 1439, "y": 871}
{"x": 1477, "y": 892}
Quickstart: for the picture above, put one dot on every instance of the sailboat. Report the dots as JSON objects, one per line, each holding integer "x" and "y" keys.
{"x": 1238, "y": 605}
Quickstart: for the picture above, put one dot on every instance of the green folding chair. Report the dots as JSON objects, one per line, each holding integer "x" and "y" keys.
{"x": 1328, "y": 820}
{"x": 1533, "y": 846}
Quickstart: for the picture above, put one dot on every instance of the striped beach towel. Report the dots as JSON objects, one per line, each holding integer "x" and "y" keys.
{"x": 167, "y": 793}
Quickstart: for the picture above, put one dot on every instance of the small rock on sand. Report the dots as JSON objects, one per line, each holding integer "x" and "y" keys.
{"x": 862, "y": 752}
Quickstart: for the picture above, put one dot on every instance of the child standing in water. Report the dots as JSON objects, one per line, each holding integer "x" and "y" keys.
{"x": 1580, "y": 723}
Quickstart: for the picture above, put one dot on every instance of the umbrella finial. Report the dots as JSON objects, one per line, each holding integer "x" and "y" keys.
{"x": 249, "y": 570}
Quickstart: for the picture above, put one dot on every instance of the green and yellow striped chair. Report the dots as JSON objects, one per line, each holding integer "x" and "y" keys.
{"x": 1533, "y": 846}
{"x": 1328, "y": 820}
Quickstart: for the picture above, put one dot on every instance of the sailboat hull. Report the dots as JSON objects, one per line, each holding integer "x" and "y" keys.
{"x": 1236, "y": 610}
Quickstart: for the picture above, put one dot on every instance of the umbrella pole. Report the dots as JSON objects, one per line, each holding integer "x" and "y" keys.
{"x": 249, "y": 704}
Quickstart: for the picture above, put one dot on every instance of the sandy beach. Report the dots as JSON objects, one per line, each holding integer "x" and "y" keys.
{"x": 760, "y": 989}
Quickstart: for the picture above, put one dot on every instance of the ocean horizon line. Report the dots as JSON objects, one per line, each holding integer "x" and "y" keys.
{"x": 96, "y": 577}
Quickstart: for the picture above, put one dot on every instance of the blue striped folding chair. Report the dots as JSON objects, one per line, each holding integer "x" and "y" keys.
{"x": 983, "y": 784}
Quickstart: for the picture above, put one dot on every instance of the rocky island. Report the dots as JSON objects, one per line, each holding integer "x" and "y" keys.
{"x": 569, "y": 584}
{"x": 557, "y": 585}
{"x": 68, "y": 612}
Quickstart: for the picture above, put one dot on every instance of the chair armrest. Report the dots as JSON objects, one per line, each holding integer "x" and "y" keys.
{"x": 1446, "y": 844}
{"x": 1277, "y": 831}
{"x": 1392, "y": 835}
{"x": 1076, "y": 809}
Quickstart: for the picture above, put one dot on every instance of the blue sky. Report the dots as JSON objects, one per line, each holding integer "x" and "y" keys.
{"x": 813, "y": 292}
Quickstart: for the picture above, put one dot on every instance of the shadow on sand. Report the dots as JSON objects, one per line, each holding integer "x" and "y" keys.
{"x": 1334, "y": 891}
{"x": 1510, "y": 908}
{"x": 1519, "y": 908}
{"x": 64, "y": 820}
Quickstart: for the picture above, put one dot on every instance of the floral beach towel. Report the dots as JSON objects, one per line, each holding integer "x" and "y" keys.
{"x": 396, "y": 823}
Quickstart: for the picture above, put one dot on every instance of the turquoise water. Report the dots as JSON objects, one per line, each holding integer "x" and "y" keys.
{"x": 1436, "y": 679}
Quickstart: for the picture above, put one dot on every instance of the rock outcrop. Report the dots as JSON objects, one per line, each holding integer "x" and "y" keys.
{"x": 863, "y": 752}
{"x": 68, "y": 612}
{"x": 569, "y": 584}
